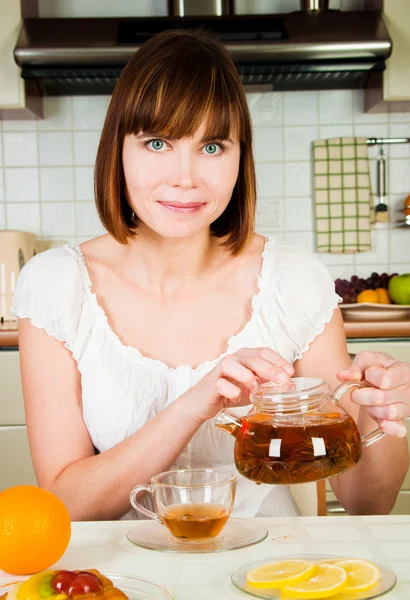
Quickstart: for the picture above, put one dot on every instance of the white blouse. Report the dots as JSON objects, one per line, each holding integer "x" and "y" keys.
{"x": 122, "y": 389}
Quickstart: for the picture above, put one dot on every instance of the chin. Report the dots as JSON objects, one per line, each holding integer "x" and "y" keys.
{"x": 179, "y": 231}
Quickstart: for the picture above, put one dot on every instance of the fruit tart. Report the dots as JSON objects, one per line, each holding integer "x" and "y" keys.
{"x": 89, "y": 584}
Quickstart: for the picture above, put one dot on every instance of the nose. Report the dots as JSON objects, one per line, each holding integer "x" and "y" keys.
{"x": 183, "y": 169}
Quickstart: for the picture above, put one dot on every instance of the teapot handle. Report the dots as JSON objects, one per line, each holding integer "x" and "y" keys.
{"x": 369, "y": 438}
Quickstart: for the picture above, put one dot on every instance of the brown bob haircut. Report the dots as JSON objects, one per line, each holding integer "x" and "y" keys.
{"x": 173, "y": 82}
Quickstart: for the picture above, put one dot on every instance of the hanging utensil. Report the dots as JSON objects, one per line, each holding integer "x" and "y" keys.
{"x": 382, "y": 213}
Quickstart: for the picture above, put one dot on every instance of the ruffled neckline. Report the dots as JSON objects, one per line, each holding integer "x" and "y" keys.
{"x": 158, "y": 364}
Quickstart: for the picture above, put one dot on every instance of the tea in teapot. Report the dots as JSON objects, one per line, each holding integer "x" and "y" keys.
{"x": 296, "y": 433}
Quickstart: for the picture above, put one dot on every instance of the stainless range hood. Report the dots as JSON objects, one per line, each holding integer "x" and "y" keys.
{"x": 327, "y": 49}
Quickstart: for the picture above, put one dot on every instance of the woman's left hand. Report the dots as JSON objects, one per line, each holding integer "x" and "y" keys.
{"x": 387, "y": 398}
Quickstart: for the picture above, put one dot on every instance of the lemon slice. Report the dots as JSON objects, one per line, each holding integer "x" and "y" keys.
{"x": 325, "y": 581}
{"x": 331, "y": 561}
{"x": 280, "y": 573}
{"x": 361, "y": 574}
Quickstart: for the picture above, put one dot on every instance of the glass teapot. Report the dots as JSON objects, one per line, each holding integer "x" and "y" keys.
{"x": 296, "y": 432}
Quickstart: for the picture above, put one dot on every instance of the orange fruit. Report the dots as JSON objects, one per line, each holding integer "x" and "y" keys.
{"x": 35, "y": 529}
{"x": 407, "y": 206}
{"x": 368, "y": 296}
{"x": 383, "y": 295}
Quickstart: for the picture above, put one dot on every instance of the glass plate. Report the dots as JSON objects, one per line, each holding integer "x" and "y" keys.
{"x": 133, "y": 587}
{"x": 237, "y": 533}
{"x": 139, "y": 589}
{"x": 386, "y": 582}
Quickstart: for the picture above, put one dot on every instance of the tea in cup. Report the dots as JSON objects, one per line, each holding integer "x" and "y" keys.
{"x": 194, "y": 504}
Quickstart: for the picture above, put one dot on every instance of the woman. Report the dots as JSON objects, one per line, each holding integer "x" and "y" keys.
{"x": 118, "y": 337}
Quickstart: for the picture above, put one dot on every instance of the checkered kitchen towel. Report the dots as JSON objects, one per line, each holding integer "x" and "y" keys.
{"x": 343, "y": 196}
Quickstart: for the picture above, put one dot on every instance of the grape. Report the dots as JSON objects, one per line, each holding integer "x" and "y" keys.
{"x": 345, "y": 289}
{"x": 62, "y": 581}
{"x": 349, "y": 290}
{"x": 84, "y": 583}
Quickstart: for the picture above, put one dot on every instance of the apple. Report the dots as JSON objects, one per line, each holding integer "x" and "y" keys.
{"x": 399, "y": 288}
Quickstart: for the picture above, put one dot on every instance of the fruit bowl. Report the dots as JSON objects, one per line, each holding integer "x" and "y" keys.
{"x": 371, "y": 311}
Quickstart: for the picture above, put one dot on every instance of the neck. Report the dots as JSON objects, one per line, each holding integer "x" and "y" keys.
{"x": 165, "y": 262}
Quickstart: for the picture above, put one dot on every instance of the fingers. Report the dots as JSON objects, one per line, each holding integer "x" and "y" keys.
{"x": 276, "y": 359}
{"x": 266, "y": 371}
{"x": 369, "y": 396}
{"x": 362, "y": 362}
{"x": 267, "y": 354}
{"x": 267, "y": 364}
{"x": 391, "y": 412}
{"x": 388, "y": 377}
{"x": 388, "y": 407}
{"x": 395, "y": 428}
{"x": 228, "y": 390}
{"x": 232, "y": 369}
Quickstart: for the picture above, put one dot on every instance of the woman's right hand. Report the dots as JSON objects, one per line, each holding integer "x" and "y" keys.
{"x": 232, "y": 380}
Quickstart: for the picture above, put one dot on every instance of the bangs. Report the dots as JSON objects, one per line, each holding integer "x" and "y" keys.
{"x": 174, "y": 102}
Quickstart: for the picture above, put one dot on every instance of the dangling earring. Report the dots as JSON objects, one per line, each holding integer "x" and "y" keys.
{"x": 133, "y": 215}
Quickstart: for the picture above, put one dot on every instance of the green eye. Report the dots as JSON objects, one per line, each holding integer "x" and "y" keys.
{"x": 211, "y": 148}
{"x": 156, "y": 144}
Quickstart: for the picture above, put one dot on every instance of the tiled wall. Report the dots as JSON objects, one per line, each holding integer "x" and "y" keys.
{"x": 46, "y": 170}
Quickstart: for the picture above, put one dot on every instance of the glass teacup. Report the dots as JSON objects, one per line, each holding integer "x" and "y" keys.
{"x": 194, "y": 504}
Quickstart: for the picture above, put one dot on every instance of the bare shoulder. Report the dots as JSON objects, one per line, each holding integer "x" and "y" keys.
{"x": 252, "y": 257}
{"x": 103, "y": 255}
{"x": 247, "y": 266}
{"x": 100, "y": 249}
{"x": 257, "y": 246}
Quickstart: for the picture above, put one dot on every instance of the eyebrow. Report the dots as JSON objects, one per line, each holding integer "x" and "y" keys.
{"x": 216, "y": 139}
{"x": 204, "y": 140}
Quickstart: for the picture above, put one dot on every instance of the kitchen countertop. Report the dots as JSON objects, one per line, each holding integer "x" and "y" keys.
{"x": 104, "y": 545}
{"x": 379, "y": 329}
{"x": 8, "y": 334}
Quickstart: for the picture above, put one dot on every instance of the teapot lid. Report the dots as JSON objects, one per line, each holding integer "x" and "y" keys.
{"x": 299, "y": 394}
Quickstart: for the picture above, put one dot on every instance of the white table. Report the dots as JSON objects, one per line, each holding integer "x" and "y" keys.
{"x": 104, "y": 545}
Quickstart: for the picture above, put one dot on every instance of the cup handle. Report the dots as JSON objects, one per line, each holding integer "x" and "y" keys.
{"x": 369, "y": 438}
{"x": 137, "y": 505}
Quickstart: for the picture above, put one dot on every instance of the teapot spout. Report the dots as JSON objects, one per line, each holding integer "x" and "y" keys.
{"x": 228, "y": 421}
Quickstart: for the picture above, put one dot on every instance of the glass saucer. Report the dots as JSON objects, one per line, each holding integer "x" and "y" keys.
{"x": 237, "y": 533}
{"x": 140, "y": 589}
{"x": 386, "y": 582}
{"x": 133, "y": 587}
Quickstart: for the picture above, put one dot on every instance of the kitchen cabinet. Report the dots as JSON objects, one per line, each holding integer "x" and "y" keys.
{"x": 15, "y": 464}
{"x": 15, "y": 461}
{"x": 390, "y": 90}
{"x": 18, "y": 99}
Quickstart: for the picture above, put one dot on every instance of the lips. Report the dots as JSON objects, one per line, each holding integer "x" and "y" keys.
{"x": 182, "y": 207}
